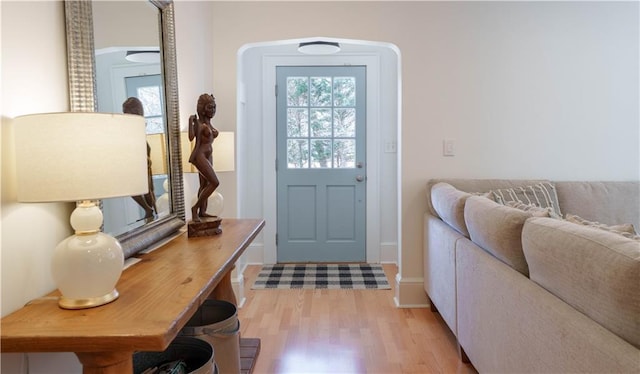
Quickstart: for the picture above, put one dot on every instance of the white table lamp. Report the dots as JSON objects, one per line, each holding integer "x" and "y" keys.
{"x": 82, "y": 157}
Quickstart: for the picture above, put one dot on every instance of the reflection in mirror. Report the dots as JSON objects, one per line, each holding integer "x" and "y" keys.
{"x": 128, "y": 66}
{"x": 118, "y": 50}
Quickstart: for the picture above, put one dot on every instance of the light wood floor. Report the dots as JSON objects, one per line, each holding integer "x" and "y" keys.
{"x": 345, "y": 331}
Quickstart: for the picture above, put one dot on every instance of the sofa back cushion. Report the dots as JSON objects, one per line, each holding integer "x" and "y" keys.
{"x": 595, "y": 271}
{"x": 448, "y": 202}
{"x": 610, "y": 203}
{"x": 625, "y": 229}
{"x": 477, "y": 185}
{"x": 497, "y": 229}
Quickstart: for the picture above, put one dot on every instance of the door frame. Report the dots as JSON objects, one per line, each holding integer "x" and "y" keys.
{"x": 372, "y": 63}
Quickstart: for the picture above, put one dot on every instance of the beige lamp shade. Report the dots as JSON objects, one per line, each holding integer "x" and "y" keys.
{"x": 80, "y": 156}
{"x": 158, "y": 155}
{"x": 223, "y": 152}
{"x": 186, "y": 146}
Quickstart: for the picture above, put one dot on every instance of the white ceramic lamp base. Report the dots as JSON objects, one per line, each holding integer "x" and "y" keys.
{"x": 86, "y": 266}
{"x": 215, "y": 203}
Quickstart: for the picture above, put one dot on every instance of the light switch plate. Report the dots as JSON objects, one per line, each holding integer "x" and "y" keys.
{"x": 449, "y": 147}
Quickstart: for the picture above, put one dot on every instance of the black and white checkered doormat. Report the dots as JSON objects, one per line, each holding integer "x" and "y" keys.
{"x": 328, "y": 276}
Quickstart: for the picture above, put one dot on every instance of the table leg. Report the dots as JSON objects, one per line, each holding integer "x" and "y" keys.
{"x": 106, "y": 362}
{"x": 224, "y": 290}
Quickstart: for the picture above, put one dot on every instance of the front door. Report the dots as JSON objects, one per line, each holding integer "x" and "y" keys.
{"x": 321, "y": 171}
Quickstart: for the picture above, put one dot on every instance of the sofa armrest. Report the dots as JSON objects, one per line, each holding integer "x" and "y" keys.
{"x": 440, "y": 267}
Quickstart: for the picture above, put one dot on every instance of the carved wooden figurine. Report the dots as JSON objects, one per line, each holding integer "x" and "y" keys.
{"x": 200, "y": 128}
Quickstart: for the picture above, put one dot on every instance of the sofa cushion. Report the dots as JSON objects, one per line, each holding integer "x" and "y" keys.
{"x": 497, "y": 229}
{"x": 540, "y": 194}
{"x": 622, "y": 229}
{"x": 610, "y": 202}
{"x": 595, "y": 271}
{"x": 448, "y": 202}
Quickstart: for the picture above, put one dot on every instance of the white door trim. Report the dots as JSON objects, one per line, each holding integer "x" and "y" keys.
{"x": 372, "y": 62}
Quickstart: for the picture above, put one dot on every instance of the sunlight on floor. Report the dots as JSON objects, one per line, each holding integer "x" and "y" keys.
{"x": 321, "y": 361}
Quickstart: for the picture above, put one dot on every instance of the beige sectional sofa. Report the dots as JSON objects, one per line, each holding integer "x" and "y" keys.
{"x": 544, "y": 289}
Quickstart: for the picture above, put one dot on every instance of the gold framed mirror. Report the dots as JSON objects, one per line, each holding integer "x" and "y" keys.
{"x": 83, "y": 94}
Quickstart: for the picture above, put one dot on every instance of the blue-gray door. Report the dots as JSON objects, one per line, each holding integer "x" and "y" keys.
{"x": 321, "y": 171}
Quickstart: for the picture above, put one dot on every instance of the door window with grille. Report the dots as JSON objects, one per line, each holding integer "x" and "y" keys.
{"x": 321, "y": 122}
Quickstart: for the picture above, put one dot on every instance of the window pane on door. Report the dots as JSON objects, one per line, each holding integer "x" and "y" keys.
{"x": 321, "y": 91}
{"x": 321, "y": 122}
{"x": 297, "y": 91}
{"x": 155, "y": 125}
{"x": 344, "y": 91}
{"x": 297, "y": 153}
{"x": 297, "y": 122}
{"x": 321, "y": 153}
{"x": 344, "y": 153}
{"x": 344, "y": 123}
{"x": 151, "y": 101}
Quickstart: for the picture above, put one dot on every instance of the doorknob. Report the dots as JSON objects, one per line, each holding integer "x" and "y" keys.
{"x": 359, "y": 178}
{"x": 359, "y": 165}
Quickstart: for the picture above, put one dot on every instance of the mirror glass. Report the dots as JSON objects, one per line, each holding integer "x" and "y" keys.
{"x": 127, "y": 59}
{"x": 122, "y": 51}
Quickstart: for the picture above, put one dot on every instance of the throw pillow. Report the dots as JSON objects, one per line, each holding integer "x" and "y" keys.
{"x": 542, "y": 195}
{"x": 625, "y": 229}
{"x": 535, "y": 211}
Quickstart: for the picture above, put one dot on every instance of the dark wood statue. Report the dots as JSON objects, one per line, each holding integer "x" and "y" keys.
{"x": 133, "y": 105}
{"x": 200, "y": 128}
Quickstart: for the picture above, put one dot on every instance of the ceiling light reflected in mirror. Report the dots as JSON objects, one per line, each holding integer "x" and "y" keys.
{"x": 147, "y": 57}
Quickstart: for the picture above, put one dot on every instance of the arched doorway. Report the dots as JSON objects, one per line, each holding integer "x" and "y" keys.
{"x": 256, "y": 148}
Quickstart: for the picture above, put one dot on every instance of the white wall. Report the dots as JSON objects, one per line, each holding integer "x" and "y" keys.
{"x": 34, "y": 79}
{"x": 526, "y": 89}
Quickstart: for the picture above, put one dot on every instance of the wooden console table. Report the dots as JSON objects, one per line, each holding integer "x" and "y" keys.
{"x": 158, "y": 295}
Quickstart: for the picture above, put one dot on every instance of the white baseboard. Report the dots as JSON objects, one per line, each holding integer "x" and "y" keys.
{"x": 237, "y": 284}
{"x": 410, "y": 293}
{"x": 254, "y": 254}
{"x": 388, "y": 253}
